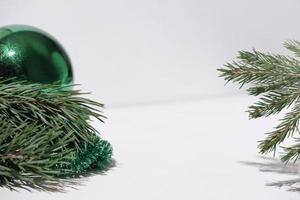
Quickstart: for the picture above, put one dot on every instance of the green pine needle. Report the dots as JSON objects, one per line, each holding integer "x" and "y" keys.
{"x": 45, "y": 134}
{"x": 275, "y": 79}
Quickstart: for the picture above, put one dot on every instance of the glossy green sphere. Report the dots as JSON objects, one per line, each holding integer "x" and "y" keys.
{"x": 29, "y": 53}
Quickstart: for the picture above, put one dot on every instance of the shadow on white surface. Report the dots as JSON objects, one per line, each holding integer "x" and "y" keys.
{"x": 276, "y": 166}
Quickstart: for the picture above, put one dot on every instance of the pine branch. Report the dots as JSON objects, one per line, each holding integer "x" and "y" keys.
{"x": 264, "y": 88}
{"x": 260, "y": 68}
{"x": 30, "y": 151}
{"x": 274, "y": 101}
{"x": 44, "y": 129}
{"x": 276, "y": 80}
{"x": 53, "y": 107}
{"x": 291, "y": 153}
{"x": 286, "y": 128}
{"x": 293, "y": 46}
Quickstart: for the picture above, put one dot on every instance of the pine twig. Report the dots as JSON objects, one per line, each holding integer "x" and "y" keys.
{"x": 44, "y": 130}
{"x": 276, "y": 80}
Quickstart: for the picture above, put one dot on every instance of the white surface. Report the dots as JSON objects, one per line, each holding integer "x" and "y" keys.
{"x": 148, "y": 50}
{"x": 181, "y": 150}
{"x": 154, "y": 64}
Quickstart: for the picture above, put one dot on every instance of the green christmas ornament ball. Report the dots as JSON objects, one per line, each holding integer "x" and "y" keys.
{"x": 29, "y": 53}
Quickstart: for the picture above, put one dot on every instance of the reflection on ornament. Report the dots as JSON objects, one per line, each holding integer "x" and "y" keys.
{"x": 31, "y": 54}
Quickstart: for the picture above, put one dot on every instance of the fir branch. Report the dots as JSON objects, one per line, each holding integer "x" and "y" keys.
{"x": 286, "y": 128}
{"x": 28, "y": 151}
{"x": 274, "y": 101}
{"x": 260, "y": 68}
{"x": 264, "y": 88}
{"x": 36, "y": 102}
{"x": 291, "y": 153}
{"x": 43, "y": 129}
{"x": 293, "y": 46}
{"x": 276, "y": 80}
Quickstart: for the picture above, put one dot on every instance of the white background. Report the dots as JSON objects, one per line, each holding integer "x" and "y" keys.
{"x": 177, "y": 131}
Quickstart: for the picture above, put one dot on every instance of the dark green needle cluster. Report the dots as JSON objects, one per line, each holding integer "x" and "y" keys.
{"x": 45, "y": 133}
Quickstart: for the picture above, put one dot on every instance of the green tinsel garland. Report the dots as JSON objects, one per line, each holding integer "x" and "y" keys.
{"x": 95, "y": 155}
